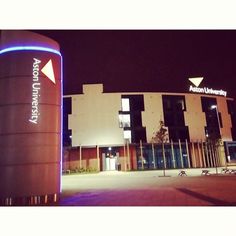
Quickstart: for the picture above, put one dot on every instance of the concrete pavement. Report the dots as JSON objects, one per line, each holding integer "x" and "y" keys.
{"x": 149, "y": 188}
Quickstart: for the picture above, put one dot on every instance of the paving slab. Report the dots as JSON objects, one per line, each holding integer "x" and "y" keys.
{"x": 147, "y": 188}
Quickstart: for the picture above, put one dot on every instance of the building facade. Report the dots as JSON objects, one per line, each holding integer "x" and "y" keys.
{"x": 107, "y": 131}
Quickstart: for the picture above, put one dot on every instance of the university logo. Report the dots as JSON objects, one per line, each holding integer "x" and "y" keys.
{"x": 197, "y": 81}
{"x": 36, "y": 85}
{"x": 48, "y": 71}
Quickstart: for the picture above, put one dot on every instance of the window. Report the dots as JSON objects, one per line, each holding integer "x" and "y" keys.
{"x": 125, "y": 104}
{"x": 67, "y": 109}
{"x": 231, "y": 107}
{"x": 173, "y": 108}
{"x": 231, "y": 111}
{"x": 209, "y": 106}
{"x": 174, "y": 103}
{"x": 180, "y": 105}
{"x": 124, "y": 120}
{"x": 127, "y": 135}
{"x": 130, "y": 117}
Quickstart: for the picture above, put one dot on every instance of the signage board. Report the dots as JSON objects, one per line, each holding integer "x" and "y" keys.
{"x": 30, "y": 121}
{"x": 205, "y": 90}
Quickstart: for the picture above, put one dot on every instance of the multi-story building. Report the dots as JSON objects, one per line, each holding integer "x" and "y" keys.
{"x": 108, "y": 130}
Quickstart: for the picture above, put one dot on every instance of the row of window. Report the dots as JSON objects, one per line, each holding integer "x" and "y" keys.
{"x": 173, "y": 108}
{"x": 124, "y": 118}
{"x": 130, "y": 118}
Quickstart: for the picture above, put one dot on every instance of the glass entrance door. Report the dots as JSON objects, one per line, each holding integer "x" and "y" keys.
{"x": 110, "y": 159}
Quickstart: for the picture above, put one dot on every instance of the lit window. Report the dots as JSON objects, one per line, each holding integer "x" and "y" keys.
{"x": 124, "y": 120}
{"x": 127, "y": 135}
{"x": 125, "y": 104}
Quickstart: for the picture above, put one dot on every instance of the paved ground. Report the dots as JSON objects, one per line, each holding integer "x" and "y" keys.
{"x": 149, "y": 188}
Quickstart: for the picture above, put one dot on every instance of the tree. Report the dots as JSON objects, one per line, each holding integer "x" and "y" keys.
{"x": 161, "y": 136}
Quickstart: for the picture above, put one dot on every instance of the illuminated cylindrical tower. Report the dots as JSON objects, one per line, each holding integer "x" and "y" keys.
{"x": 30, "y": 119}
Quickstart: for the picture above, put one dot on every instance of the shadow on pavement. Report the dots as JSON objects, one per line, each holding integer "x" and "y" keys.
{"x": 214, "y": 201}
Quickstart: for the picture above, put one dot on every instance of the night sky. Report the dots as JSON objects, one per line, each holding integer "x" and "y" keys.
{"x": 147, "y": 60}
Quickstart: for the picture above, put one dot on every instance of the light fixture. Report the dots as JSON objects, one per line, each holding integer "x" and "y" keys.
{"x": 29, "y": 48}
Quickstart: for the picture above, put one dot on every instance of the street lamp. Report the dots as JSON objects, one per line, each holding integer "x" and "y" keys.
{"x": 218, "y": 121}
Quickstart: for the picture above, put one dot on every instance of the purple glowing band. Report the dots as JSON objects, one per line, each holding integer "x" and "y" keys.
{"x": 34, "y": 48}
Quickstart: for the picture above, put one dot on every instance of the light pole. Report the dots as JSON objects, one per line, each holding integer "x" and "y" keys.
{"x": 218, "y": 121}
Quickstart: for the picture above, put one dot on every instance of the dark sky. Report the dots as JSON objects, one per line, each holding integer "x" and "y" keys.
{"x": 147, "y": 60}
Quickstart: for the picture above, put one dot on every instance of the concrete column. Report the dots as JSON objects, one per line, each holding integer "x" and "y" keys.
{"x": 189, "y": 166}
{"x": 98, "y": 159}
{"x": 203, "y": 155}
{"x": 217, "y": 156}
{"x": 173, "y": 154}
{"x": 141, "y": 151}
{"x": 212, "y": 155}
{"x": 128, "y": 155}
{"x": 222, "y": 155}
{"x": 193, "y": 156}
{"x": 207, "y": 155}
{"x": 164, "y": 156}
{"x": 181, "y": 154}
{"x": 125, "y": 162}
{"x": 80, "y": 156}
{"x": 199, "y": 154}
{"x": 153, "y": 156}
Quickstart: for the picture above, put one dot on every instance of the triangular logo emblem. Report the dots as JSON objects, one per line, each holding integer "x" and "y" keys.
{"x": 48, "y": 71}
{"x": 196, "y": 81}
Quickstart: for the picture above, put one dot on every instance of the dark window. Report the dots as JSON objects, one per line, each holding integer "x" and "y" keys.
{"x": 231, "y": 107}
{"x": 232, "y": 154}
{"x": 136, "y": 119}
{"x": 207, "y": 103}
{"x": 232, "y": 111}
{"x": 66, "y": 112}
{"x": 230, "y": 148}
{"x": 174, "y": 103}
{"x": 139, "y": 134}
{"x": 220, "y": 120}
{"x": 167, "y": 104}
{"x": 174, "y": 107}
{"x": 169, "y": 120}
{"x": 179, "y": 119}
{"x": 213, "y": 117}
{"x": 178, "y": 133}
